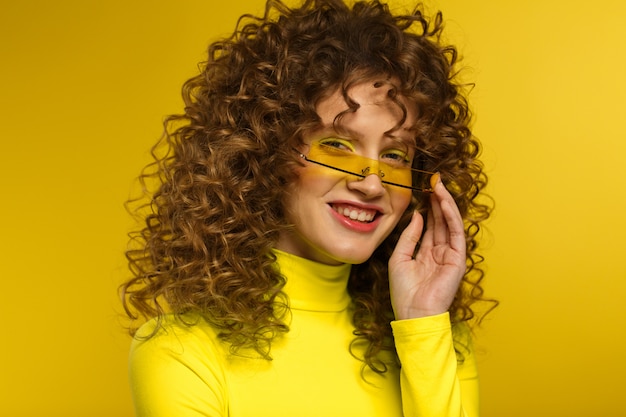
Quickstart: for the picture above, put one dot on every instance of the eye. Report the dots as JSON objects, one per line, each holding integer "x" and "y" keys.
{"x": 341, "y": 144}
{"x": 396, "y": 157}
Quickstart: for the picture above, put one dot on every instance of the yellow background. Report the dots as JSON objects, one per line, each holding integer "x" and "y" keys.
{"x": 85, "y": 85}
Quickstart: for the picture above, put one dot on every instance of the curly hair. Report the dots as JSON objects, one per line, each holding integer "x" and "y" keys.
{"x": 221, "y": 168}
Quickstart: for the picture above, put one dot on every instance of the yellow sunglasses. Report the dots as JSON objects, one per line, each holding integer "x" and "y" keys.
{"x": 352, "y": 163}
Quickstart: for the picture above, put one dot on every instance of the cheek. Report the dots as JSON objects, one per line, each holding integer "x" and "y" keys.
{"x": 308, "y": 183}
{"x": 401, "y": 199}
{"x": 315, "y": 181}
{"x": 400, "y": 202}
{"x": 318, "y": 173}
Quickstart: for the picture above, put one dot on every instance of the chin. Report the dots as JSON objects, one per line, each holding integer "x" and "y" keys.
{"x": 350, "y": 255}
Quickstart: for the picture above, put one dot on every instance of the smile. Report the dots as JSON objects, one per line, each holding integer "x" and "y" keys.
{"x": 353, "y": 213}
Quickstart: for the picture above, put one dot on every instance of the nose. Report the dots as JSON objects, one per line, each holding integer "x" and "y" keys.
{"x": 371, "y": 186}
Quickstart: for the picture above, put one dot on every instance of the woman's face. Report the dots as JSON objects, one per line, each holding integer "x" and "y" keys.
{"x": 338, "y": 217}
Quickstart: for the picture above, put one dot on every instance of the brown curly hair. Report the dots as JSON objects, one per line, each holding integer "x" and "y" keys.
{"x": 221, "y": 168}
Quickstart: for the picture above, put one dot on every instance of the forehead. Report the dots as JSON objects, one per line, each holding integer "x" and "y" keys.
{"x": 365, "y": 106}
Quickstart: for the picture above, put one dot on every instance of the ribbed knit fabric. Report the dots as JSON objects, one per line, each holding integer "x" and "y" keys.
{"x": 186, "y": 371}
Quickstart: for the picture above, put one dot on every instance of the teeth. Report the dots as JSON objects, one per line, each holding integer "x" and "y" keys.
{"x": 359, "y": 215}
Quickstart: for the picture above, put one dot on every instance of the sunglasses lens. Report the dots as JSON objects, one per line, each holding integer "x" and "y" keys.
{"x": 353, "y": 163}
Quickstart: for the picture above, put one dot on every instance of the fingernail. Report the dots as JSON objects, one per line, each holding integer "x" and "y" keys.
{"x": 434, "y": 179}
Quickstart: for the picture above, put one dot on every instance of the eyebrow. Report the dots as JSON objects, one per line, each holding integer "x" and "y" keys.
{"x": 347, "y": 132}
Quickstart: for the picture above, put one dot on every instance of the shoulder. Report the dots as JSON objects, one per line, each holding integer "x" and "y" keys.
{"x": 175, "y": 337}
{"x": 176, "y": 366}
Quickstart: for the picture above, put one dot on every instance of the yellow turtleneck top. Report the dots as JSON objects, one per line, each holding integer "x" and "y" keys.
{"x": 186, "y": 371}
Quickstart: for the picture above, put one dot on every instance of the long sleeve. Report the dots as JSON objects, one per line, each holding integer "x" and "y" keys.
{"x": 176, "y": 373}
{"x": 188, "y": 371}
{"x": 433, "y": 383}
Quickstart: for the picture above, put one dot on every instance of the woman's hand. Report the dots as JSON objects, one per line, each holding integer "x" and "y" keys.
{"x": 426, "y": 285}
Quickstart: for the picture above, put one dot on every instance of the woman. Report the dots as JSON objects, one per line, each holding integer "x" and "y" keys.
{"x": 310, "y": 248}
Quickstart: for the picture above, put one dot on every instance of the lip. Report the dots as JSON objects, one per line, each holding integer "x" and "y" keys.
{"x": 354, "y": 225}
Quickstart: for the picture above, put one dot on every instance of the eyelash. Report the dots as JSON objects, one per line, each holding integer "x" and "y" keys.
{"x": 338, "y": 143}
{"x": 397, "y": 156}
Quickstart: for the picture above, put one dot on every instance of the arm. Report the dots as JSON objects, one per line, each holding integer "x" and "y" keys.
{"x": 176, "y": 373}
{"x": 426, "y": 284}
{"x": 433, "y": 382}
{"x": 422, "y": 290}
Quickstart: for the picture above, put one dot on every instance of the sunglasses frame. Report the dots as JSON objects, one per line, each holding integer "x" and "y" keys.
{"x": 365, "y": 172}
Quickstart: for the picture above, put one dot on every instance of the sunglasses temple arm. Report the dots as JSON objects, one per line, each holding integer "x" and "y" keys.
{"x": 332, "y": 167}
{"x": 424, "y": 190}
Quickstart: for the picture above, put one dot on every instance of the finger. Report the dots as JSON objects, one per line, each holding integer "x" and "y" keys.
{"x": 440, "y": 226}
{"x": 408, "y": 239}
{"x": 455, "y": 225}
{"x": 449, "y": 214}
{"x": 427, "y": 239}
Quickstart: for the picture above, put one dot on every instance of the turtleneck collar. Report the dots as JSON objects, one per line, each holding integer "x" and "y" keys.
{"x": 314, "y": 286}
